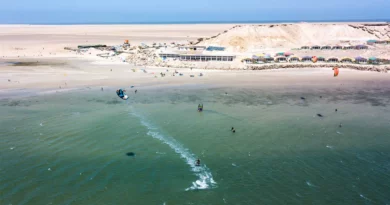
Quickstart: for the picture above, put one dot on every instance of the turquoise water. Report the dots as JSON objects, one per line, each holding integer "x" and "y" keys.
{"x": 73, "y": 148}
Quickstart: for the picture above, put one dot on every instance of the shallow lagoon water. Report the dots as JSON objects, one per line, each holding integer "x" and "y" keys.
{"x": 72, "y": 148}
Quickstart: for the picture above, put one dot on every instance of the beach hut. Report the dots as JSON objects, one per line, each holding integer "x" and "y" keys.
{"x": 280, "y": 59}
{"x": 293, "y": 59}
{"x": 346, "y": 60}
{"x": 326, "y": 47}
{"x": 381, "y": 42}
{"x": 384, "y": 61}
{"x": 350, "y": 47}
{"x": 260, "y": 60}
{"x": 361, "y": 60}
{"x": 373, "y": 60}
{"x": 247, "y": 60}
{"x": 361, "y": 47}
{"x": 371, "y": 42}
{"x": 212, "y": 48}
{"x": 279, "y": 54}
{"x": 337, "y": 47}
{"x": 315, "y": 47}
{"x": 305, "y": 47}
{"x": 333, "y": 60}
{"x": 306, "y": 59}
{"x": 268, "y": 59}
{"x": 257, "y": 59}
{"x": 320, "y": 59}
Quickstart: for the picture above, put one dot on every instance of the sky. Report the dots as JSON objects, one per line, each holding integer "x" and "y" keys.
{"x": 143, "y": 11}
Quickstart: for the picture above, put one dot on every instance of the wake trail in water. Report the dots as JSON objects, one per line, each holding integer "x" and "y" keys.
{"x": 205, "y": 178}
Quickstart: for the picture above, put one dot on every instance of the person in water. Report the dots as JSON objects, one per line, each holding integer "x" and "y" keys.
{"x": 135, "y": 91}
{"x": 200, "y": 107}
{"x": 233, "y": 130}
{"x": 197, "y": 162}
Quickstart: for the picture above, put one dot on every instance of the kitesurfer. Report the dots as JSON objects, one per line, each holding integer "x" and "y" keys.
{"x": 197, "y": 162}
{"x": 121, "y": 94}
{"x": 200, "y": 107}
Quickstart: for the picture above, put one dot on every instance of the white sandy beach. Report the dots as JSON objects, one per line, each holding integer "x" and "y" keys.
{"x": 49, "y": 66}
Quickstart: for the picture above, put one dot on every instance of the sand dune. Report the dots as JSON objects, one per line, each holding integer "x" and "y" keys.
{"x": 251, "y": 37}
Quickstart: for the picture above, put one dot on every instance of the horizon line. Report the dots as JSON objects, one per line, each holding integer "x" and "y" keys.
{"x": 205, "y": 22}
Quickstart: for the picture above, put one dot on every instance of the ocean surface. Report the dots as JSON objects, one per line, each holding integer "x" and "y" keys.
{"x": 90, "y": 147}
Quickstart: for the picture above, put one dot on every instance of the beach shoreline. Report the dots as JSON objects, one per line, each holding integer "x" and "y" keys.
{"x": 56, "y": 75}
{"x": 32, "y": 57}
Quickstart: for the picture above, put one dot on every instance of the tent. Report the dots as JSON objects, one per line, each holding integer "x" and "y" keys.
{"x": 346, "y": 60}
{"x": 268, "y": 58}
{"x": 306, "y": 59}
{"x": 321, "y": 59}
{"x": 360, "y": 60}
{"x": 293, "y": 59}
{"x": 371, "y": 42}
{"x": 315, "y": 47}
{"x": 373, "y": 60}
{"x": 337, "y": 47}
{"x": 348, "y": 47}
{"x": 261, "y": 55}
{"x": 280, "y": 59}
{"x": 359, "y": 47}
{"x": 333, "y": 59}
{"x": 247, "y": 60}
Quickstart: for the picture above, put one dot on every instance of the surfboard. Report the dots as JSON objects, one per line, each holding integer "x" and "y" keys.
{"x": 125, "y": 97}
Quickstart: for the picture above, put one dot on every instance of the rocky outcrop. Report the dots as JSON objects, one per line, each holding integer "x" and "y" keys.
{"x": 143, "y": 57}
{"x": 380, "y": 30}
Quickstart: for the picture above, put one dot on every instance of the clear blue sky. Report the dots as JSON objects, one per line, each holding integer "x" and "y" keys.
{"x": 108, "y": 11}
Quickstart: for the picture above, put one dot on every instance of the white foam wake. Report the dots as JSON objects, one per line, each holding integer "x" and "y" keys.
{"x": 205, "y": 178}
